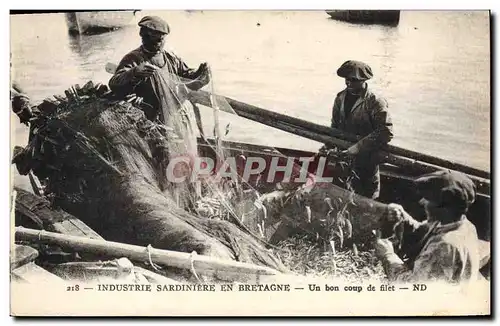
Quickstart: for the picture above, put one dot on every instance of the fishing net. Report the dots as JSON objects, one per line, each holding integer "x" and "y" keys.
{"x": 211, "y": 187}
{"x": 221, "y": 193}
{"x": 100, "y": 159}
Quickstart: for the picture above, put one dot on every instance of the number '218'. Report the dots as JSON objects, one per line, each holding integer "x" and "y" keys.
{"x": 73, "y": 288}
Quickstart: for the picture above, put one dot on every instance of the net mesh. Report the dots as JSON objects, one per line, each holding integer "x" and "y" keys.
{"x": 219, "y": 194}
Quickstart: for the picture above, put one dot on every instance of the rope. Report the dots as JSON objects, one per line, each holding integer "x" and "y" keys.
{"x": 191, "y": 262}
{"x": 40, "y": 235}
{"x": 148, "y": 249}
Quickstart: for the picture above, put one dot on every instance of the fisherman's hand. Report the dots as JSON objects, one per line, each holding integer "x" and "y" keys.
{"x": 204, "y": 73}
{"x": 145, "y": 70}
{"x": 383, "y": 247}
{"x": 396, "y": 213}
{"x": 351, "y": 151}
{"x": 203, "y": 68}
{"x": 203, "y": 77}
{"x": 329, "y": 151}
{"x": 323, "y": 150}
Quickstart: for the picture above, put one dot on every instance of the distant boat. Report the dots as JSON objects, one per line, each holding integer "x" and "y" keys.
{"x": 97, "y": 21}
{"x": 385, "y": 17}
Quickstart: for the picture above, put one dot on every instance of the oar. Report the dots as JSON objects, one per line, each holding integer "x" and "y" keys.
{"x": 391, "y": 154}
{"x": 282, "y": 122}
{"x": 249, "y": 111}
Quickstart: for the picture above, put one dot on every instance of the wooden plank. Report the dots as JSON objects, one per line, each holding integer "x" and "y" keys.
{"x": 76, "y": 227}
{"x": 154, "y": 277}
{"x": 34, "y": 274}
{"x": 38, "y": 210}
{"x": 21, "y": 255}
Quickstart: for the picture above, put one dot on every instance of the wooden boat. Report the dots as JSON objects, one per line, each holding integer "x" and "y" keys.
{"x": 97, "y": 21}
{"x": 385, "y": 17}
{"x": 396, "y": 186}
{"x": 31, "y": 266}
{"x": 54, "y": 246}
{"x": 32, "y": 262}
{"x": 398, "y": 171}
{"x": 32, "y": 211}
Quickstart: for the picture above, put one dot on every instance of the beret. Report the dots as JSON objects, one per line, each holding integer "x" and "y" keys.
{"x": 155, "y": 23}
{"x": 447, "y": 188}
{"x": 355, "y": 70}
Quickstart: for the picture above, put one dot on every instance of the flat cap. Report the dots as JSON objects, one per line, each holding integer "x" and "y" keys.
{"x": 447, "y": 188}
{"x": 155, "y": 23}
{"x": 355, "y": 70}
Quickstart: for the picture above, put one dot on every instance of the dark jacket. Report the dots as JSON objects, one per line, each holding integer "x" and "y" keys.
{"x": 125, "y": 82}
{"x": 370, "y": 120}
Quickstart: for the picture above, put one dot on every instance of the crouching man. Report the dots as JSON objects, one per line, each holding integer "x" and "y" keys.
{"x": 447, "y": 246}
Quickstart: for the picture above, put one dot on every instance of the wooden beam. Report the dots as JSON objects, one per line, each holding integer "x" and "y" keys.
{"x": 204, "y": 265}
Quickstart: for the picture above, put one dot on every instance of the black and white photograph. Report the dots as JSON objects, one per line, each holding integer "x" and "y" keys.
{"x": 250, "y": 162}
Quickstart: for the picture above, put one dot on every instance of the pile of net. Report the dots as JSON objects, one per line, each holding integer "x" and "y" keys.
{"x": 101, "y": 160}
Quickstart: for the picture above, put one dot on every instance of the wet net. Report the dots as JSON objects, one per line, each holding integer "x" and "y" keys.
{"x": 209, "y": 187}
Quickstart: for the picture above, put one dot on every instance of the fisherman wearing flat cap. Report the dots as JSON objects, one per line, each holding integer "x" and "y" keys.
{"x": 134, "y": 72}
{"x": 358, "y": 111}
{"x": 445, "y": 247}
{"x": 21, "y": 105}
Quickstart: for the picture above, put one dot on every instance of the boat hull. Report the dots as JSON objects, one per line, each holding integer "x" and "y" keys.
{"x": 386, "y": 17}
{"x": 93, "y": 22}
{"x": 396, "y": 186}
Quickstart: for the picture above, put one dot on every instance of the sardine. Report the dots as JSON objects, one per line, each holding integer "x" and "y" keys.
{"x": 341, "y": 236}
{"x": 309, "y": 214}
{"x": 349, "y": 228}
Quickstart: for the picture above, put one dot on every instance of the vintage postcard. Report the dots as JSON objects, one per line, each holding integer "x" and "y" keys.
{"x": 250, "y": 163}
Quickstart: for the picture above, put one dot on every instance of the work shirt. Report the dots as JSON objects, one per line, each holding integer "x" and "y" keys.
{"x": 450, "y": 253}
{"x": 369, "y": 119}
{"x": 125, "y": 82}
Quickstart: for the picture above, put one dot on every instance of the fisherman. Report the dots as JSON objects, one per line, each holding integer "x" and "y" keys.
{"x": 358, "y": 111}
{"x": 158, "y": 77}
{"x": 20, "y": 103}
{"x": 447, "y": 247}
{"x": 21, "y": 106}
{"x": 135, "y": 70}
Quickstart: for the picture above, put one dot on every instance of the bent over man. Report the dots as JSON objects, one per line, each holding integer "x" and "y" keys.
{"x": 446, "y": 246}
